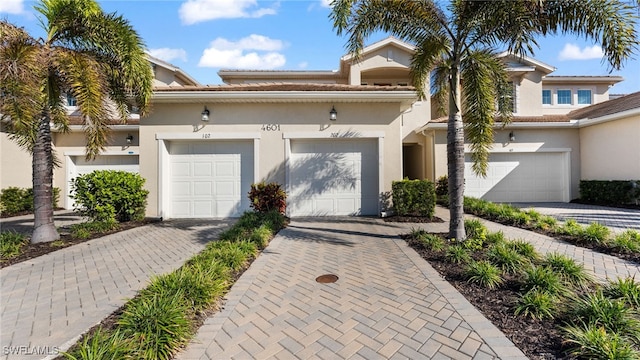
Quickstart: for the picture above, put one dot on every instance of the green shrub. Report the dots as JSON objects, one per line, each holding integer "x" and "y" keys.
{"x": 413, "y": 198}
{"x": 595, "y": 233}
{"x": 593, "y": 342}
{"x": 265, "y": 197}
{"x": 494, "y": 238}
{"x": 11, "y": 244}
{"x": 537, "y": 304}
{"x": 627, "y": 290}
{"x": 458, "y": 254}
{"x": 261, "y": 236}
{"x": 14, "y": 200}
{"x": 612, "y": 314}
{"x": 614, "y": 192}
{"x": 157, "y": 325}
{"x": 627, "y": 241}
{"x": 110, "y": 195}
{"x": 442, "y": 185}
{"x": 483, "y": 273}
{"x": 476, "y": 234}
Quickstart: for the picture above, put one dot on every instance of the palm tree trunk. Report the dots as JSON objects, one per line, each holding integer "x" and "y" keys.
{"x": 455, "y": 159}
{"x": 44, "y": 229}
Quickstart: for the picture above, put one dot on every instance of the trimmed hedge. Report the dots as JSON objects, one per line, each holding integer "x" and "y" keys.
{"x": 610, "y": 192}
{"x": 15, "y": 200}
{"x": 413, "y": 198}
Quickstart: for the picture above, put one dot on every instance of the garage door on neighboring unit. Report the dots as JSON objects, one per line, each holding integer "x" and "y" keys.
{"x": 80, "y": 166}
{"x": 520, "y": 177}
{"x": 210, "y": 179}
{"x": 333, "y": 177}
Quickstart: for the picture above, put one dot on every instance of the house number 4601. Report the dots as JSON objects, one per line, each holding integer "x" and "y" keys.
{"x": 271, "y": 127}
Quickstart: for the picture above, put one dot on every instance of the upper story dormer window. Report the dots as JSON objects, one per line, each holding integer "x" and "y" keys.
{"x": 71, "y": 100}
{"x": 564, "y": 97}
{"x": 584, "y": 97}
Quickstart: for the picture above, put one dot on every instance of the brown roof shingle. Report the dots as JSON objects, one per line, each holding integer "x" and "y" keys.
{"x": 624, "y": 103}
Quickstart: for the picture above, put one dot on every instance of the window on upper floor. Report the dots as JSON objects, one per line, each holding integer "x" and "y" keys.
{"x": 564, "y": 97}
{"x": 71, "y": 100}
{"x": 584, "y": 97}
{"x": 546, "y": 97}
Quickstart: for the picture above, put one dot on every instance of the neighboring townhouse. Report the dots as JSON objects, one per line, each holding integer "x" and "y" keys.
{"x": 336, "y": 140}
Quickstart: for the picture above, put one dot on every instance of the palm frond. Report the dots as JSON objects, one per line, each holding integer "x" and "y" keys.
{"x": 428, "y": 54}
{"x": 483, "y": 76}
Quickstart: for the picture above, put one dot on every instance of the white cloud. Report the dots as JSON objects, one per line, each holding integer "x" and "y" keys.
{"x": 326, "y": 3}
{"x": 573, "y": 52}
{"x": 195, "y": 11}
{"x": 252, "y": 52}
{"x": 12, "y": 6}
{"x": 168, "y": 54}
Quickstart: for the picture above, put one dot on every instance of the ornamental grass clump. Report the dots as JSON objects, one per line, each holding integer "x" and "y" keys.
{"x": 537, "y": 304}
{"x": 11, "y": 244}
{"x": 568, "y": 269}
{"x": 595, "y": 233}
{"x": 570, "y": 228}
{"x": 627, "y": 290}
{"x": 507, "y": 259}
{"x": 525, "y": 249}
{"x": 494, "y": 238}
{"x": 103, "y": 345}
{"x": 458, "y": 254}
{"x": 592, "y": 342}
{"x": 543, "y": 279}
{"x": 195, "y": 285}
{"x": 627, "y": 241}
{"x": 476, "y": 234}
{"x": 484, "y": 273}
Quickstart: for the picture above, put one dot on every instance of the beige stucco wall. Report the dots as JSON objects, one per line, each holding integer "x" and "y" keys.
{"x": 529, "y": 95}
{"x": 599, "y": 93}
{"x": 611, "y": 150}
{"x": 310, "y": 119}
{"x": 15, "y": 164}
{"x": 528, "y": 140}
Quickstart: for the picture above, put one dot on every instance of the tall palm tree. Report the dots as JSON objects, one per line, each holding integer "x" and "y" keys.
{"x": 459, "y": 41}
{"x": 96, "y": 57}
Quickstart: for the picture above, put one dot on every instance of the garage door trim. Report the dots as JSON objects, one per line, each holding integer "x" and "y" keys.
{"x": 163, "y": 140}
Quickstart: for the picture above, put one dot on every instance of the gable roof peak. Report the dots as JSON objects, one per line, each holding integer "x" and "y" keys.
{"x": 526, "y": 60}
{"x": 390, "y": 40}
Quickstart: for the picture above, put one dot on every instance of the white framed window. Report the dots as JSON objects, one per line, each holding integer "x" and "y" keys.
{"x": 546, "y": 97}
{"x": 564, "y": 97}
{"x": 71, "y": 100}
{"x": 584, "y": 97}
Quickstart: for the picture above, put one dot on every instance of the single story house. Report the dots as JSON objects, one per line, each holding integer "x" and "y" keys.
{"x": 337, "y": 139}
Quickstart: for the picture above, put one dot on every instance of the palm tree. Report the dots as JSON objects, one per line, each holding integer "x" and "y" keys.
{"x": 458, "y": 41}
{"x": 96, "y": 57}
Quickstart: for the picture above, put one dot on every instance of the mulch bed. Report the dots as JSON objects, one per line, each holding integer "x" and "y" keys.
{"x": 30, "y": 251}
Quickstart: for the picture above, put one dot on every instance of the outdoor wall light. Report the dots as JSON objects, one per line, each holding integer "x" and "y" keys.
{"x": 333, "y": 114}
{"x": 205, "y": 114}
{"x": 512, "y": 136}
{"x": 129, "y": 139}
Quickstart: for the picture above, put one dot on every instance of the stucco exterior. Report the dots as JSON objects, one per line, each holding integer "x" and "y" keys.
{"x": 611, "y": 150}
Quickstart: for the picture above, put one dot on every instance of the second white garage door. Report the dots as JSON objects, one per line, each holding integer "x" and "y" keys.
{"x": 210, "y": 179}
{"x": 333, "y": 177}
{"x": 520, "y": 177}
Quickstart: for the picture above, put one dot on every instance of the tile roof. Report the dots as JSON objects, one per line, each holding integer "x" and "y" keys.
{"x": 280, "y": 86}
{"x": 617, "y": 105}
{"x": 77, "y": 120}
{"x": 523, "y": 119}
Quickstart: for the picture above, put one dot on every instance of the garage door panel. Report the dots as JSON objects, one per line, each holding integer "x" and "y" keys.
{"x": 519, "y": 177}
{"x": 326, "y": 177}
{"x": 210, "y": 177}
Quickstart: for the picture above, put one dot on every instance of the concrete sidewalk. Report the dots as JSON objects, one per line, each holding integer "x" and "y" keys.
{"x": 48, "y": 302}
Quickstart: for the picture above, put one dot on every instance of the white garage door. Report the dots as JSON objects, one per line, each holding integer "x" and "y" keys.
{"x": 210, "y": 179}
{"x": 520, "y": 177}
{"x": 333, "y": 177}
{"x": 80, "y": 166}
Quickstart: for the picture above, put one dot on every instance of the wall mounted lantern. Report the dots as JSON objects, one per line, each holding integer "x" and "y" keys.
{"x": 205, "y": 114}
{"x": 512, "y": 136}
{"x": 129, "y": 139}
{"x": 333, "y": 114}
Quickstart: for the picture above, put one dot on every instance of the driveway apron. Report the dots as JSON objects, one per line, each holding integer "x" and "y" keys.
{"x": 387, "y": 303}
{"x": 48, "y": 302}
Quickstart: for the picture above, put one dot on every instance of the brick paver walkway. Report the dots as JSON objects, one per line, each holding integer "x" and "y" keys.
{"x": 388, "y": 303}
{"x": 48, "y": 302}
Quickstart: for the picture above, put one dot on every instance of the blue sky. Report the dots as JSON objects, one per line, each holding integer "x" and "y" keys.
{"x": 203, "y": 36}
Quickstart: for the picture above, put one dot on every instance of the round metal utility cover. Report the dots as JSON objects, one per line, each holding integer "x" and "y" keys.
{"x": 327, "y": 278}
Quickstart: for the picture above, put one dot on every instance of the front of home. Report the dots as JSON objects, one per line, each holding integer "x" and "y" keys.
{"x": 336, "y": 140}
